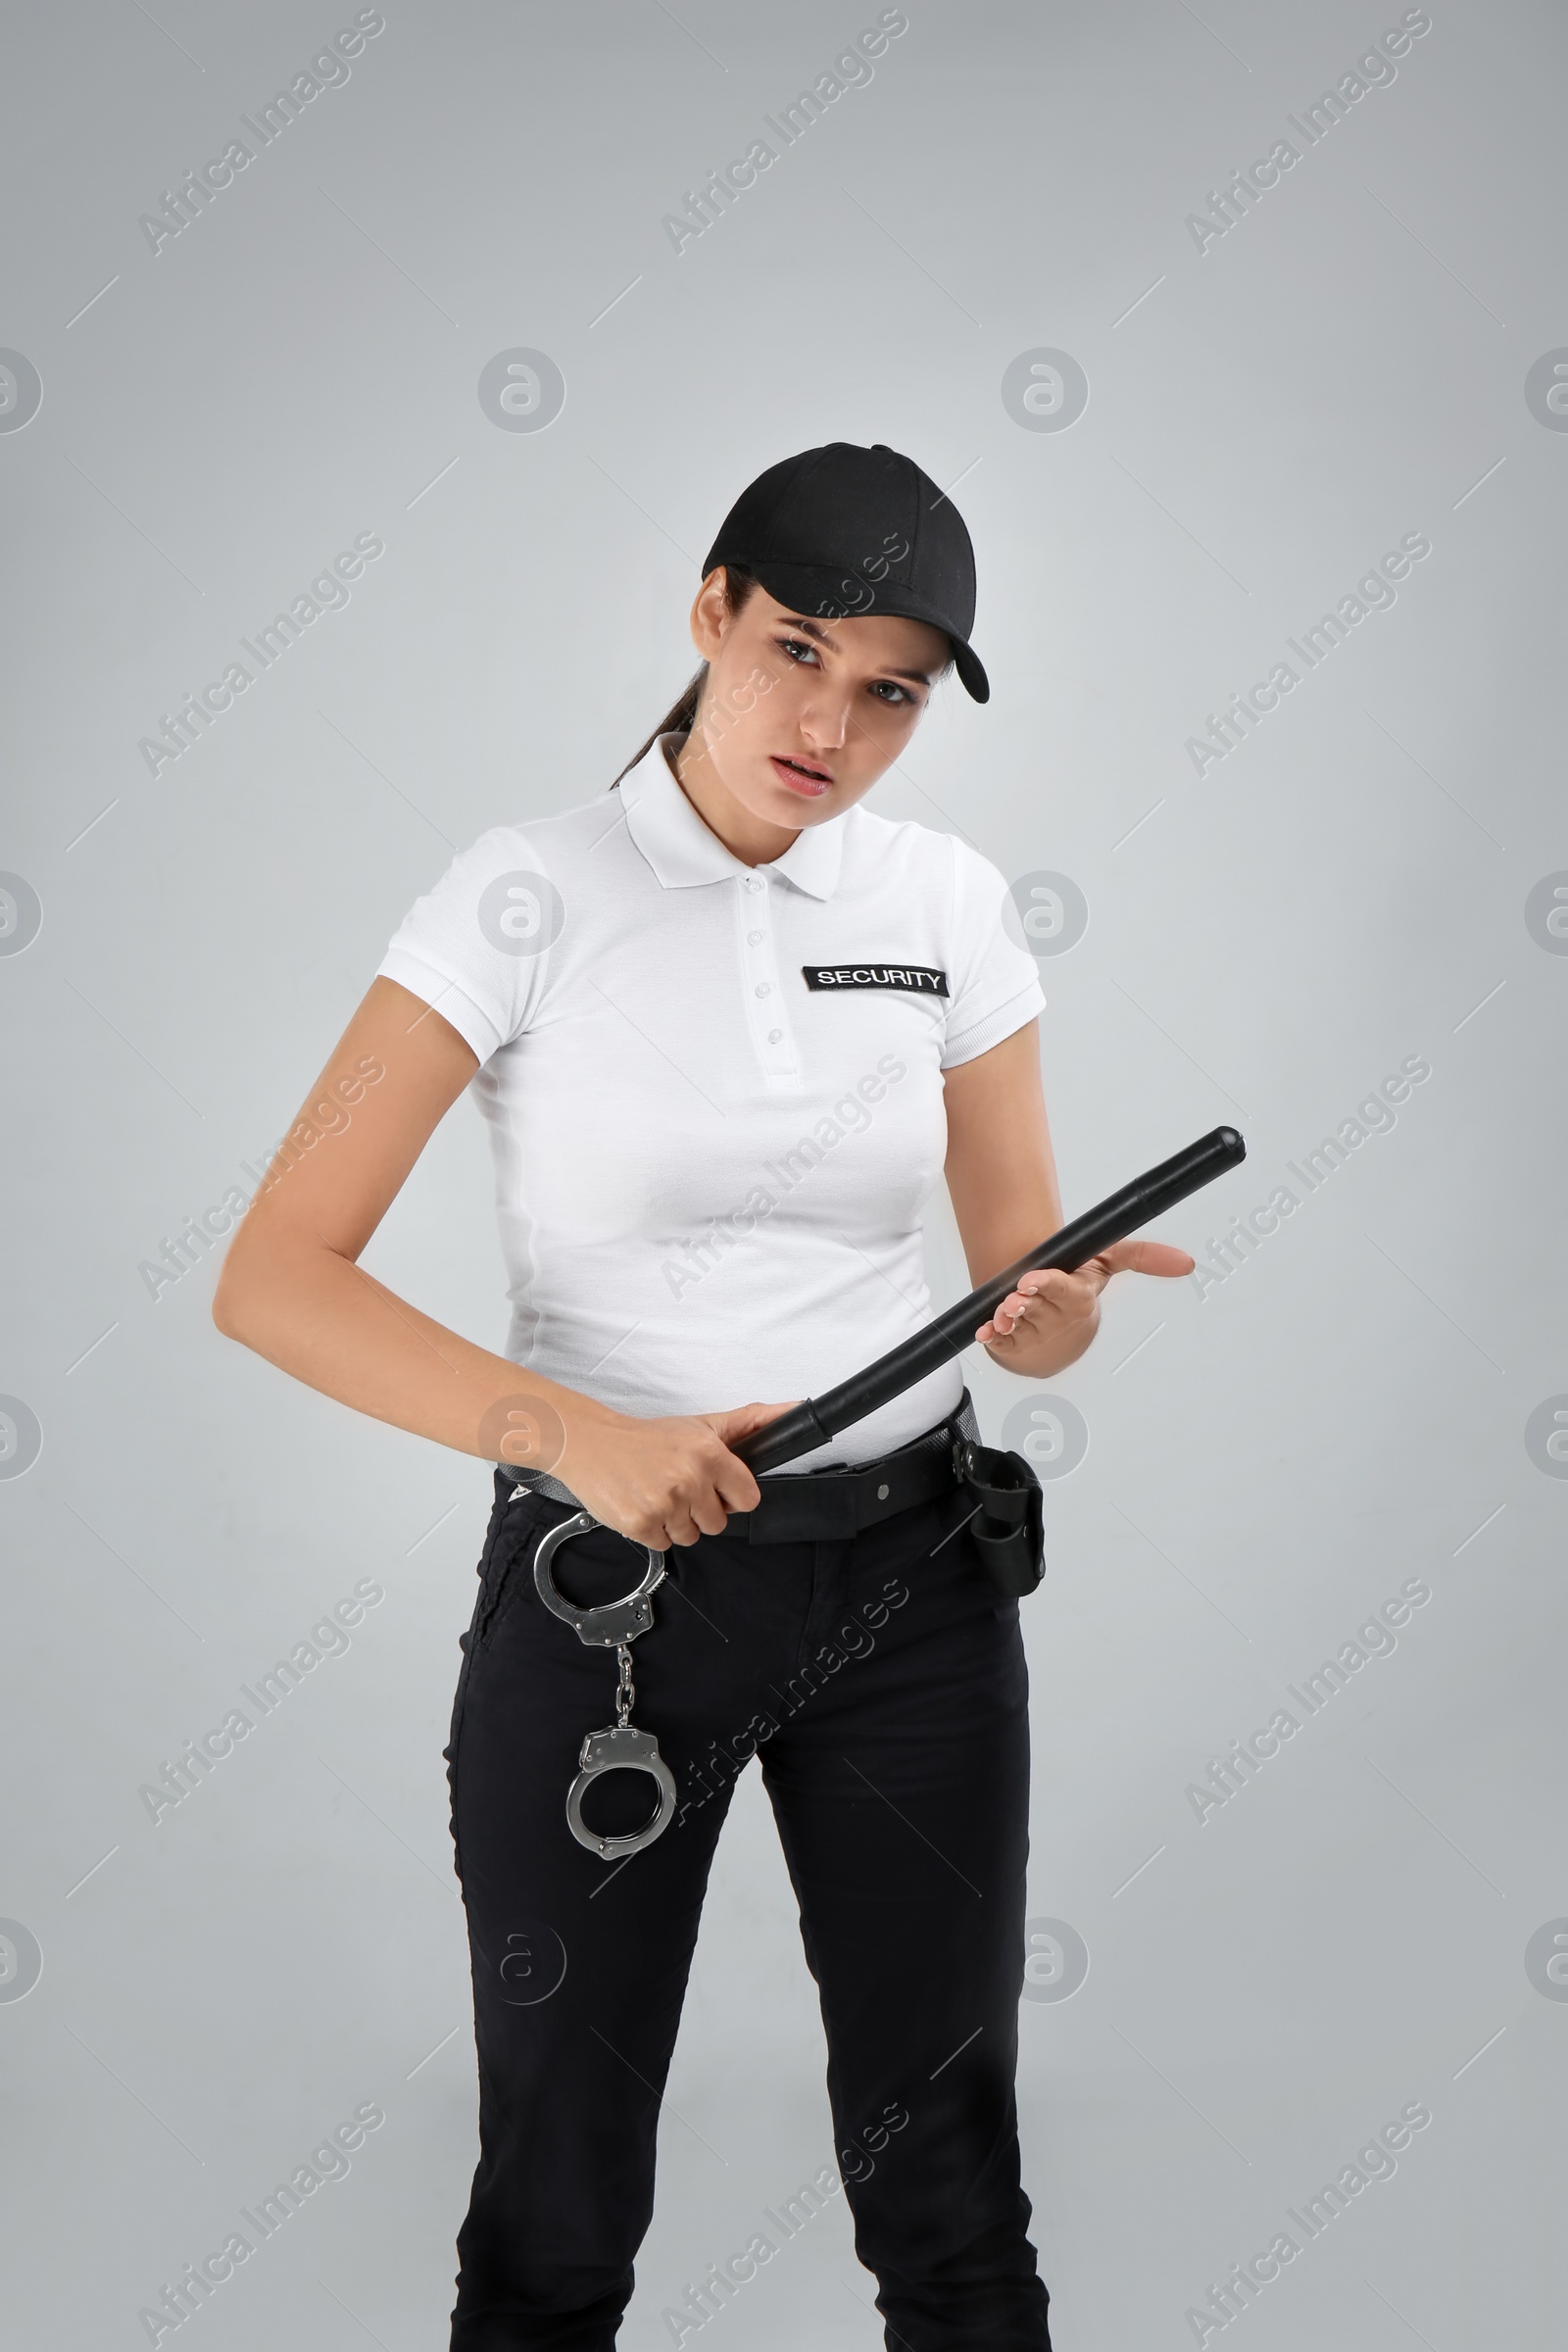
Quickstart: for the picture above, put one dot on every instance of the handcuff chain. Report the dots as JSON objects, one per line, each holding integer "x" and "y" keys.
{"x": 625, "y": 1690}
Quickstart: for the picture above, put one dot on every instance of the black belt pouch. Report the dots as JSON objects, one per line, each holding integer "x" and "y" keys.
{"x": 1008, "y": 1529}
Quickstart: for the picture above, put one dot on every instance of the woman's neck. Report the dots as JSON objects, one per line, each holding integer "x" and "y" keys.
{"x": 753, "y": 840}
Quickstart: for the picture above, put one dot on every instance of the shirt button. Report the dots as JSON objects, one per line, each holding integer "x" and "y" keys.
{"x": 754, "y": 939}
{"x": 752, "y": 883}
{"x": 773, "y": 1036}
{"x": 763, "y": 987}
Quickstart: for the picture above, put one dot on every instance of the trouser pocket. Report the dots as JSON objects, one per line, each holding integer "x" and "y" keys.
{"x": 491, "y": 1572}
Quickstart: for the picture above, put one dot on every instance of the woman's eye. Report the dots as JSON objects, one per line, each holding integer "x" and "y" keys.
{"x": 797, "y": 649}
{"x": 886, "y": 690}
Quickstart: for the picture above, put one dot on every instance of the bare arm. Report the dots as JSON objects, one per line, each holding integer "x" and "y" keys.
{"x": 1001, "y": 1178}
{"x": 291, "y": 1287}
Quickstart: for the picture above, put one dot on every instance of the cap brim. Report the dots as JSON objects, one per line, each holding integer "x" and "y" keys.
{"x": 817, "y": 589}
{"x": 971, "y": 670}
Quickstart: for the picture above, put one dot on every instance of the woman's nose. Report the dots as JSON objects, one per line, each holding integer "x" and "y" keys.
{"x": 825, "y": 724}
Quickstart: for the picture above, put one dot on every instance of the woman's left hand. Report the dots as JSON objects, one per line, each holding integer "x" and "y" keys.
{"x": 1048, "y": 1320}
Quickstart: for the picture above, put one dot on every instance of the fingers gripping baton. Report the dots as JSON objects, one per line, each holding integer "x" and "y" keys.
{"x": 1008, "y": 1520}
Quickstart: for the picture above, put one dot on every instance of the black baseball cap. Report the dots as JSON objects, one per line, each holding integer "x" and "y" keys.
{"x": 841, "y": 531}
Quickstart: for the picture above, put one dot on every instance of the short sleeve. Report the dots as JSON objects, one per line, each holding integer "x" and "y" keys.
{"x": 474, "y": 947}
{"x": 994, "y": 985}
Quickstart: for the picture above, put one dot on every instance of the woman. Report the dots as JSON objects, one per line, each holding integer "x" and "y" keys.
{"x": 727, "y": 1029}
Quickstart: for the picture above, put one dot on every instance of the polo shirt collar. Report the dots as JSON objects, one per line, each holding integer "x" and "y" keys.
{"x": 673, "y": 839}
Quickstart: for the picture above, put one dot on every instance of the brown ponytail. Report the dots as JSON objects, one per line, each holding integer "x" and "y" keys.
{"x": 680, "y": 718}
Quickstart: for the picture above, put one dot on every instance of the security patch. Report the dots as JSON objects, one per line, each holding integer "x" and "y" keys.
{"x": 919, "y": 979}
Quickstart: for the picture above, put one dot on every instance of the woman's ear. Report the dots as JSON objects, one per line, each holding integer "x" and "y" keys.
{"x": 710, "y": 614}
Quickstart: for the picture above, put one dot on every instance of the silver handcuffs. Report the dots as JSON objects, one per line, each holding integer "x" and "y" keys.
{"x": 621, "y": 1746}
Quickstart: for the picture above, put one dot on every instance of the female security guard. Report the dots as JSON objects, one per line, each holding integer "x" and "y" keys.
{"x": 727, "y": 1029}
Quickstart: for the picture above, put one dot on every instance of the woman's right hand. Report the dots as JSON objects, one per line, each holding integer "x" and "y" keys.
{"x": 664, "y": 1481}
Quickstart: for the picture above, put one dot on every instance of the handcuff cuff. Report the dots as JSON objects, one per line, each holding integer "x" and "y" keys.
{"x": 621, "y": 1746}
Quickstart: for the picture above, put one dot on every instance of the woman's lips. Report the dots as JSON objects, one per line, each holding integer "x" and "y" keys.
{"x": 798, "y": 780}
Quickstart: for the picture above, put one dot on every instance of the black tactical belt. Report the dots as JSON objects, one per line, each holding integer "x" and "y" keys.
{"x": 831, "y": 1504}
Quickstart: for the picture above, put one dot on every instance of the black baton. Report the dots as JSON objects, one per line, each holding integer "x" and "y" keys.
{"x": 818, "y": 1418}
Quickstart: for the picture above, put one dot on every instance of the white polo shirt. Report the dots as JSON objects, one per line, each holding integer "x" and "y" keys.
{"x": 714, "y": 1091}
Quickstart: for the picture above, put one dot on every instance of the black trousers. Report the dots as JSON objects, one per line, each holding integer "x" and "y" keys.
{"x": 880, "y": 1681}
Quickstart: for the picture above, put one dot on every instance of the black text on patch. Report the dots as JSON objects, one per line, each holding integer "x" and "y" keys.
{"x": 919, "y": 979}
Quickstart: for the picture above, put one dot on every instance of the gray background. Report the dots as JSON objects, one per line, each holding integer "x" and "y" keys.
{"x": 1265, "y": 418}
